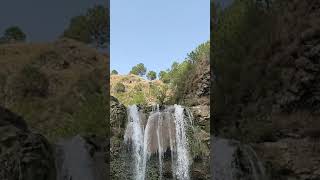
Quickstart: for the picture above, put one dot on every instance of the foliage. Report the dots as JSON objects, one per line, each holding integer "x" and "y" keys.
{"x": 160, "y": 92}
{"x": 138, "y": 98}
{"x": 14, "y": 33}
{"x": 31, "y": 82}
{"x": 180, "y": 74}
{"x": 119, "y": 88}
{"x": 114, "y": 72}
{"x": 78, "y": 29}
{"x": 164, "y": 76}
{"x": 91, "y": 28}
{"x": 202, "y": 52}
{"x": 90, "y": 117}
{"x": 241, "y": 33}
{"x": 152, "y": 75}
{"x": 139, "y": 69}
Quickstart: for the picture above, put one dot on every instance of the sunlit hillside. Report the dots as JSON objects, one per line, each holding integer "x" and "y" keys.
{"x": 133, "y": 89}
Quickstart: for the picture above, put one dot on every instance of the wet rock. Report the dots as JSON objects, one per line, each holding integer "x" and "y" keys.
{"x": 235, "y": 161}
{"x": 23, "y": 155}
{"x": 118, "y": 113}
{"x": 201, "y": 115}
{"x": 292, "y": 158}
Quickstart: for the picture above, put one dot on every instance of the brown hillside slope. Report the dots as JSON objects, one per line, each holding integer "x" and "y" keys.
{"x": 52, "y": 83}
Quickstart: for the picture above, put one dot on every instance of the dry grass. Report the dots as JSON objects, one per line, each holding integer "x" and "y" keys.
{"x": 135, "y": 88}
{"x": 76, "y": 75}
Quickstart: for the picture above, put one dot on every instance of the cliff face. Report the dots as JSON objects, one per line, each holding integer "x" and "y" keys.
{"x": 283, "y": 122}
{"x": 197, "y": 90}
{"x": 296, "y": 99}
{"x": 24, "y": 155}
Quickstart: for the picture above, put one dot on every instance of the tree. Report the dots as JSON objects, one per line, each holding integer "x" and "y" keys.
{"x": 114, "y": 72}
{"x": 164, "y": 76}
{"x": 78, "y": 30}
{"x": 139, "y": 69}
{"x": 14, "y": 33}
{"x": 99, "y": 25}
{"x": 152, "y": 75}
{"x": 91, "y": 28}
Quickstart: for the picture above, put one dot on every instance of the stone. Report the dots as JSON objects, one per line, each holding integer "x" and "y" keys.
{"x": 24, "y": 155}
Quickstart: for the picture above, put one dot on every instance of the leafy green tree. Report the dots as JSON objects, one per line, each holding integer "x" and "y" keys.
{"x": 164, "y": 76}
{"x": 14, "y": 33}
{"x": 114, "y": 72}
{"x": 152, "y": 75}
{"x": 139, "y": 69}
{"x": 202, "y": 52}
{"x": 78, "y": 29}
{"x": 91, "y": 28}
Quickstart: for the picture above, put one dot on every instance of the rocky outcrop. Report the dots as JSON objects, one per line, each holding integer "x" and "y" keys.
{"x": 282, "y": 117}
{"x": 297, "y": 159}
{"x": 201, "y": 115}
{"x": 118, "y": 113}
{"x": 23, "y": 155}
{"x": 198, "y": 90}
{"x": 118, "y": 157}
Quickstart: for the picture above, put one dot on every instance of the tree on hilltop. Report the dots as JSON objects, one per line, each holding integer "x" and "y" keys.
{"x": 152, "y": 75}
{"x": 139, "y": 69}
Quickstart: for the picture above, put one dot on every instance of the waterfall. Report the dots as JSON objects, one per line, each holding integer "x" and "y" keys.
{"x": 134, "y": 132}
{"x": 235, "y": 161}
{"x": 165, "y": 130}
{"x": 182, "y": 146}
{"x": 74, "y": 161}
{"x": 159, "y": 139}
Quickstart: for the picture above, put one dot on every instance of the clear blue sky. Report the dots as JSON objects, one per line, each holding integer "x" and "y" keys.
{"x": 156, "y": 33}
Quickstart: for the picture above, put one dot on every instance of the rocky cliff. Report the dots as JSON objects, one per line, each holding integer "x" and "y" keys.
{"x": 282, "y": 123}
{"x": 24, "y": 155}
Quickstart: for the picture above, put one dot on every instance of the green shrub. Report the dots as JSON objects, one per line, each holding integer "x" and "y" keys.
{"x": 91, "y": 116}
{"x": 160, "y": 92}
{"x": 119, "y": 88}
{"x": 138, "y": 98}
{"x": 31, "y": 82}
{"x": 114, "y": 72}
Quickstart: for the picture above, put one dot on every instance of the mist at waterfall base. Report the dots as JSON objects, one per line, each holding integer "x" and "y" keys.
{"x": 235, "y": 161}
{"x": 77, "y": 160}
{"x": 163, "y": 133}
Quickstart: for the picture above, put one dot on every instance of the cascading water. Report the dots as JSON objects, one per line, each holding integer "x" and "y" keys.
{"x": 235, "y": 161}
{"x": 134, "y": 132}
{"x": 164, "y": 131}
{"x": 74, "y": 161}
{"x": 159, "y": 139}
{"x": 182, "y": 146}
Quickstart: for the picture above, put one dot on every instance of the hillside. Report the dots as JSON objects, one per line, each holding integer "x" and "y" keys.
{"x": 266, "y": 87}
{"x": 58, "y": 87}
{"x": 137, "y": 90}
